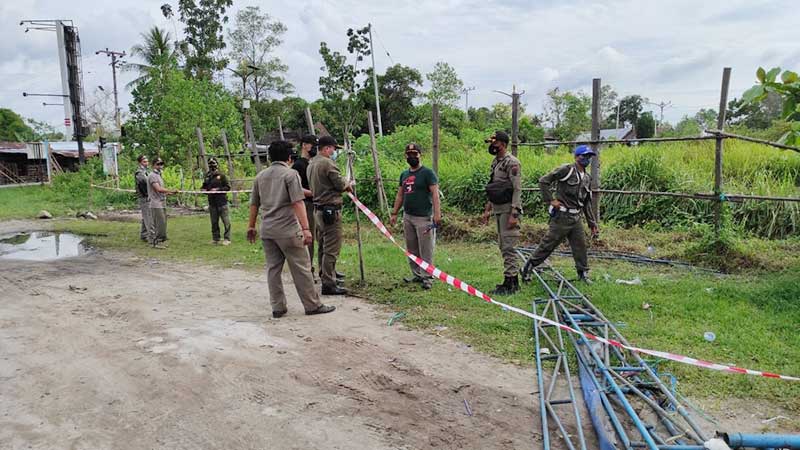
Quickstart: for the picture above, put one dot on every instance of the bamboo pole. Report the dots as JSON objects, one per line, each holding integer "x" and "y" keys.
{"x": 230, "y": 165}
{"x": 754, "y": 140}
{"x": 202, "y": 149}
{"x": 514, "y": 121}
{"x": 310, "y": 121}
{"x": 618, "y": 141}
{"x": 280, "y": 129}
{"x": 723, "y": 106}
{"x": 250, "y": 137}
{"x": 358, "y": 220}
{"x": 435, "y": 140}
{"x": 595, "y": 182}
{"x": 378, "y": 178}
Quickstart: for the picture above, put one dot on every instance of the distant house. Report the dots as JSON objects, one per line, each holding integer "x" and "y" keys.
{"x": 27, "y": 162}
{"x": 615, "y": 134}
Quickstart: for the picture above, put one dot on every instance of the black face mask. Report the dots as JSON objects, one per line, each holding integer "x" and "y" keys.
{"x": 312, "y": 152}
{"x": 412, "y": 161}
{"x": 493, "y": 150}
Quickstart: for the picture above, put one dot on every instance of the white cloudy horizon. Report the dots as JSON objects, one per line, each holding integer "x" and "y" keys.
{"x": 672, "y": 51}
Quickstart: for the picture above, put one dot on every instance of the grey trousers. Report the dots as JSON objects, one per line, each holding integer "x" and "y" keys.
{"x": 159, "y": 217}
{"x": 420, "y": 240}
{"x": 293, "y": 252}
{"x": 147, "y": 221}
{"x": 507, "y": 241}
{"x": 330, "y": 238}
{"x": 217, "y": 213}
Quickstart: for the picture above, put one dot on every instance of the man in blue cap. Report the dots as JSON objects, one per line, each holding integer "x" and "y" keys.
{"x": 573, "y": 198}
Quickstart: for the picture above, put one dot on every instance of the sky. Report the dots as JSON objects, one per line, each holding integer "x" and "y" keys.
{"x": 668, "y": 51}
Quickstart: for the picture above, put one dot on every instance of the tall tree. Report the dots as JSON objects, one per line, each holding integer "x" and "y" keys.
{"x": 567, "y": 113}
{"x": 99, "y": 113}
{"x": 156, "y": 54}
{"x": 645, "y": 125}
{"x": 253, "y": 40}
{"x": 398, "y": 88}
{"x": 203, "y": 21}
{"x": 13, "y": 128}
{"x": 609, "y": 99}
{"x": 629, "y": 109}
{"x": 757, "y": 116}
{"x": 445, "y": 85}
{"x": 707, "y": 118}
{"x": 44, "y": 131}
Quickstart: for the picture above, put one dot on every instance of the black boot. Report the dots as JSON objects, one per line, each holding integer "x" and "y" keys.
{"x": 510, "y": 285}
{"x": 583, "y": 275}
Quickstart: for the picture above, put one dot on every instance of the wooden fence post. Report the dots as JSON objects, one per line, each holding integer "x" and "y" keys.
{"x": 230, "y": 165}
{"x": 355, "y": 208}
{"x": 435, "y": 150}
{"x": 280, "y": 129}
{"x": 202, "y": 149}
{"x": 253, "y": 149}
{"x": 310, "y": 121}
{"x": 723, "y": 106}
{"x": 514, "y": 122}
{"x": 378, "y": 178}
{"x": 596, "y": 147}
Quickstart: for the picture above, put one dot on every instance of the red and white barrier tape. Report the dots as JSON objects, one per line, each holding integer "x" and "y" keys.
{"x": 455, "y": 282}
{"x": 179, "y": 192}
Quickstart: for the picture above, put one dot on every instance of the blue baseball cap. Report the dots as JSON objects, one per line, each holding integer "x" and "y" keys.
{"x": 584, "y": 150}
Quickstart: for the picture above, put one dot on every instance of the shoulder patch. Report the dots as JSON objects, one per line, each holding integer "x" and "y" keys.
{"x": 515, "y": 170}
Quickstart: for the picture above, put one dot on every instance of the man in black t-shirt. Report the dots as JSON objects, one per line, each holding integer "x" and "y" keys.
{"x": 418, "y": 195}
{"x": 215, "y": 180}
{"x": 308, "y": 150}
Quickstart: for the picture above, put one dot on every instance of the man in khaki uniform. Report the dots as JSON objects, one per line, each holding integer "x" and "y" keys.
{"x": 277, "y": 192}
{"x": 505, "y": 204}
{"x": 157, "y": 201}
{"x": 141, "y": 194}
{"x": 573, "y": 197}
{"x": 327, "y": 186}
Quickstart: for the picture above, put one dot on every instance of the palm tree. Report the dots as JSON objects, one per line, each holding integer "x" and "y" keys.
{"x": 157, "y": 54}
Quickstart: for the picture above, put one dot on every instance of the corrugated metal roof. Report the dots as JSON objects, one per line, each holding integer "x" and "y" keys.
{"x": 611, "y": 133}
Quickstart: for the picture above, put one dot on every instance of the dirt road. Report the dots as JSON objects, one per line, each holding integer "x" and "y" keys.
{"x": 109, "y": 351}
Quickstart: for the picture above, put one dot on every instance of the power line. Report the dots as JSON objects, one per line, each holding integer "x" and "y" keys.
{"x": 380, "y": 41}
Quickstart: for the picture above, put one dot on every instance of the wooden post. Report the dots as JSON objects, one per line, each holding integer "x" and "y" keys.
{"x": 230, "y": 165}
{"x": 91, "y": 192}
{"x": 358, "y": 220}
{"x": 254, "y": 151}
{"x": 280, "y": 129}
{"x": 514, "y": 122}
{"x": 378, "y": 178}
{"x": 180, "y": 196}
{"x": 310, "y": 121}
{"x": 202, "y": 149}
{"x": 435, "y": 150}
{"x": 723, "y": 106}
{"x": 596, "y": 147}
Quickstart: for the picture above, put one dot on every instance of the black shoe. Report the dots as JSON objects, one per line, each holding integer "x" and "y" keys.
{"x": 510, "y": 286}
{"x": 414, "y": 279}
{"x": 333, "y": 290}
{"x": 339, "y": 275}
{"x": 278, "y": 314}
{"x": 584, "y": 276}
{"x": 323, "y": 309}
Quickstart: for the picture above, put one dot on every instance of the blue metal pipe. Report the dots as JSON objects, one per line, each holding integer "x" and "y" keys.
{"x": 540, "y": 382}
{"x": 762, "y": 441}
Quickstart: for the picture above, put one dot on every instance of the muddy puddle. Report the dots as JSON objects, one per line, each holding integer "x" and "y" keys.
{"x": 41, "y": 246}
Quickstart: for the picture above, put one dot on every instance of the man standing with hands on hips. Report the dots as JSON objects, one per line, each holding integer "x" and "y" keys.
{"x": 285, "y": 233}
{"x": 418, "y": 195}
{"x": 504, "y": 191}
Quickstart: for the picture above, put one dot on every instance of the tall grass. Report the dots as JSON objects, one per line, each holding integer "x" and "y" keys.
{"x": 674, "y": 167}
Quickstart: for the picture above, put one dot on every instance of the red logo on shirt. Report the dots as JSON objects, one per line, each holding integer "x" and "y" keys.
{"x": 408, "y": 184}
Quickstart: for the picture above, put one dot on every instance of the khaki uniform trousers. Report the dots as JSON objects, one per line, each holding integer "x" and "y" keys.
{"x": 564, "y": 226}
{"x": 147, "y": 221}
{"x": 292, "y": 251}
{"x": 420, "y": 240}
{"x": 159, "y": 221}
{"x": 311, "y": 226}
{"x": 330, "y": 240}
{"x": 507, "y": 240}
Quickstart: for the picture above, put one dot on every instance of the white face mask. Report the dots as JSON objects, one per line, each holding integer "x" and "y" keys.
{"x": 335, "y": 154}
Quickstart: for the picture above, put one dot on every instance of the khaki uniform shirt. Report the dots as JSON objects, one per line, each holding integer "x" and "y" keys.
{"x": 274, "y": 191}
{"x": 573, "y": 190}
{"x": 326, "y": 183}
{"x": 157, "y": 199}
{"x": 508, "y": 168}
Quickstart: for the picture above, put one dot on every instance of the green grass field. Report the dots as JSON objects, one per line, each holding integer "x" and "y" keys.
{"x": 754, "y": 315}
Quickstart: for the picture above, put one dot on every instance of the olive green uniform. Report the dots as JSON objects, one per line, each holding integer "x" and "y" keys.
{"x": 508, "y": 168}
{"x": 275, "y": 190}
{"x": 157, "y": 201}
{"x": 144, "y": 203}
{"x": 327, "y": 185}
{"x": 574, "y": 192}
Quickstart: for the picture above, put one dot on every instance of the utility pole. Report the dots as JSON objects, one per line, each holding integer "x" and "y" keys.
{"x": 114, "y": 61}
{"x": 375, "y": 82}
{"x": 661, "y": 106}
{"x": 466, "y": 92}
{"x": 619, "y": 105}
{"x": 514, "y": 117}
